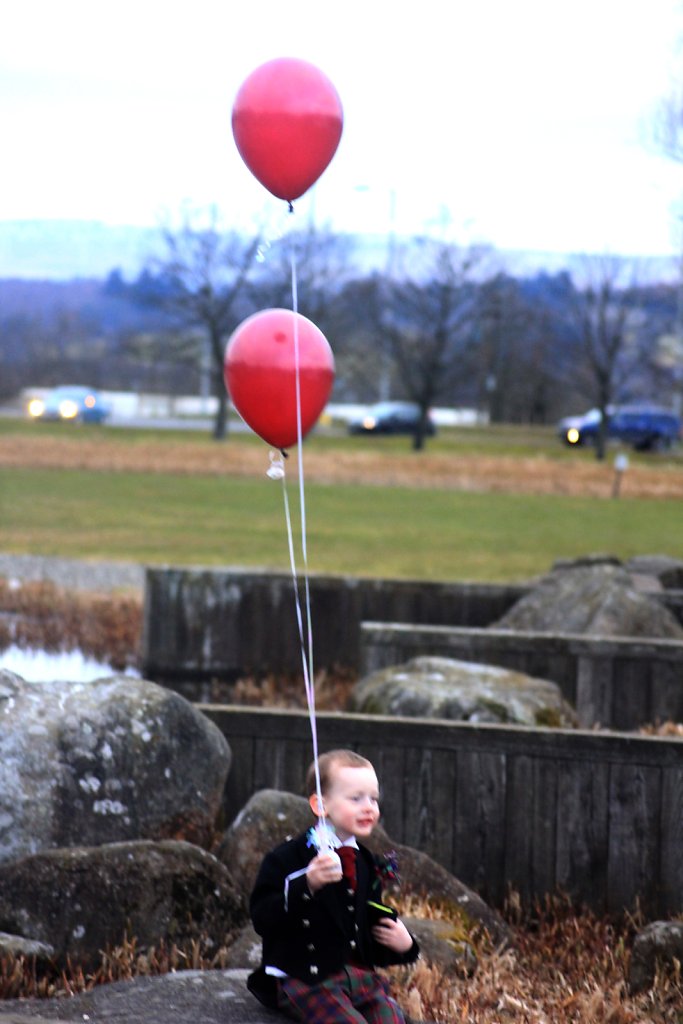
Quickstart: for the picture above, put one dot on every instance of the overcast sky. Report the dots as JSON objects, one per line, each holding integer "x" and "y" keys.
{"x": 517, "y": 124}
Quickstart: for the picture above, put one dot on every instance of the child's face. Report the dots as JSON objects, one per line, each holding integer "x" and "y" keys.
{"x": 352, "y": 801}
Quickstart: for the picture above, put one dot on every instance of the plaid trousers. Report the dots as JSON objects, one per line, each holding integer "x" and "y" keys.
{"x": 353, "y": 995}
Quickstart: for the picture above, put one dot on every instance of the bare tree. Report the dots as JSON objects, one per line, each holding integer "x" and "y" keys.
{"x": 665, "y": 131}
{"x": 426, "y": 321}
{"x": 665, "y": 135}
{"x": 604, "y": 320}
{"x": 205, "y": 269}
{"x": 516, "y": 364}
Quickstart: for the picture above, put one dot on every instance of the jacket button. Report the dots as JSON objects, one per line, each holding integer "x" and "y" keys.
{"x": 306, "y": 896}
{"x": 306, "y": 923}
{"x": 310, "y": 947}
{"x": 352, "y": 944}
{"x": 313, "y": 969}
{"x": 351, "y": 907}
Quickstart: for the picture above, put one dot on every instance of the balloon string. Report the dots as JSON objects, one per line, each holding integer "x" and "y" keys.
{"x": 300, "y": 458}
{"x": 308, "y": 679}
{"x": 305, "y": 635}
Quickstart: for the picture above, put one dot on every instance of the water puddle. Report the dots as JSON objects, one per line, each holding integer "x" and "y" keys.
{"x": 74, "y": 666}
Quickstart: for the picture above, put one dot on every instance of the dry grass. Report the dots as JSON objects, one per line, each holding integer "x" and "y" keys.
{"x": 565, "y": 967}
{"x": 43, "y": 616}
{"x": 332, "y": 690}
{"x": 454, "y": 470}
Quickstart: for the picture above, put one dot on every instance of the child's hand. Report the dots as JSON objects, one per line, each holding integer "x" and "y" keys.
{"x": 324, "y": 869}
{"x": 393, "y": 934}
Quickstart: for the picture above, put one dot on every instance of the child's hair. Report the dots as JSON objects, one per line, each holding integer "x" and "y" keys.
{"x": 327, "y": 764}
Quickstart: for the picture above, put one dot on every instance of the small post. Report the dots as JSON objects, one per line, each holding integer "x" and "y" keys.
{"x": 620, "y": 467}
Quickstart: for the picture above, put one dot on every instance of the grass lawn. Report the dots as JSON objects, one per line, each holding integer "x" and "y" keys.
{"x": 354, "y": 529}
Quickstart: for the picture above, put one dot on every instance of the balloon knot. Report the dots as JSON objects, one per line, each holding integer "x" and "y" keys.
{"x": 290, "y": 204}
{"x": 276, "y": 470}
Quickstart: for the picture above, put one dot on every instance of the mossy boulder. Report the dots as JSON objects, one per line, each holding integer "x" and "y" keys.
{"x": 592, "y": 600}
{"x": 112, "y": 760}
{"x": 81, "y": 900}
{"x": 465, "y": 691}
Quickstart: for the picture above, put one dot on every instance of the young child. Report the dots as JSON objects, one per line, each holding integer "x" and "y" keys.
{"x": 321, "y": 943}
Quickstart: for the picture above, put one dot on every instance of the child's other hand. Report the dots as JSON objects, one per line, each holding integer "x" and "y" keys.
{"x": 393, "y": 934}
{"x": 324, "y": 869}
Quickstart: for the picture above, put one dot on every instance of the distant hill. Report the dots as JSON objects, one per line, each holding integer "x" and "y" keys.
{"x": 66, "y": 249}
{"x": 61, "y": 250}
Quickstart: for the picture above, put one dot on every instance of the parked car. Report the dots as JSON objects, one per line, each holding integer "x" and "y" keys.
{"x": 71, "y": 404}
{"x": 391, "y": 418}
{"x": 645, "y": 427}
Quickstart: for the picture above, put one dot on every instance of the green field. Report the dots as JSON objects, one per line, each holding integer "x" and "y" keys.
{"x": 360, "y": 530}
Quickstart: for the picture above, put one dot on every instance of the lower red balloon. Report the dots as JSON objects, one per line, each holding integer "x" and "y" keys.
{"x": 260, "y": 374}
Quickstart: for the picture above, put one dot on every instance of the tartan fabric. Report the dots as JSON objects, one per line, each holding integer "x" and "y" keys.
{"x": 350, "y": 996}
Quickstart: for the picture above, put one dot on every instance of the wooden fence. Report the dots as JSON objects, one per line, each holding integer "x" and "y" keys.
{"x": 597, "y": 815}
{"x": 616, "y": 683}
{"x": 219, "y": 623}
{"x": 203, "y": 624}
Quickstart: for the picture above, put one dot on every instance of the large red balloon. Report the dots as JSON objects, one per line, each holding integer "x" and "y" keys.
{"x": 260, "y": 374}
{"x": 287, "y": 122}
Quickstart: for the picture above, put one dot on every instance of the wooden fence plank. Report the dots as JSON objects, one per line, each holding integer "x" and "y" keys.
{"x": 478, "y": 852}
{"x": 419, "y": 785}
{"x": 631, "y": 700}
{"x": 582, "y": 830}
{"x": 671, "y": 843}
{"x": 594, "y": 691}
{"x": 518, "y": 826}
{"x": 444, "y": 804}
{"x": 633, "y": 863}
{"x": 666, "y": 688}
{"x": 544, "y": 826}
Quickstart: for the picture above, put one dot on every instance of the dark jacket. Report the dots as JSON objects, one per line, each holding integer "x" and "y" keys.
{"x": 311, "y": 936}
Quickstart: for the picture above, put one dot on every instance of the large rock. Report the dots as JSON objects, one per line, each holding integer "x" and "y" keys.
{"x": 272, "y": 816}
{"x": 80, "y": 901}
{"x": 183, "y": 997}
{"x": 667, "y": 571}
{"x": 245, "y": 950}
{"x": 83, "y": 764}
{"x": 17, "y": 945}
{"x": 597, "y": 600}
{"x": 658, "y": 944}
{"x": 443, "y": 946}
{"x": 465, "y": 691}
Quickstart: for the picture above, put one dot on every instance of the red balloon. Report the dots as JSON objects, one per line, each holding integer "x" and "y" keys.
{"x": 287, "y": 122}
{"x": 260, "y": 374}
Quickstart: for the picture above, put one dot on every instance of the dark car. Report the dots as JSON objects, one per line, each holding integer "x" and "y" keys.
{"x": 391, "y": 418}
{"x": 70, "y": 404}
{"x": 644, "y": 427}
